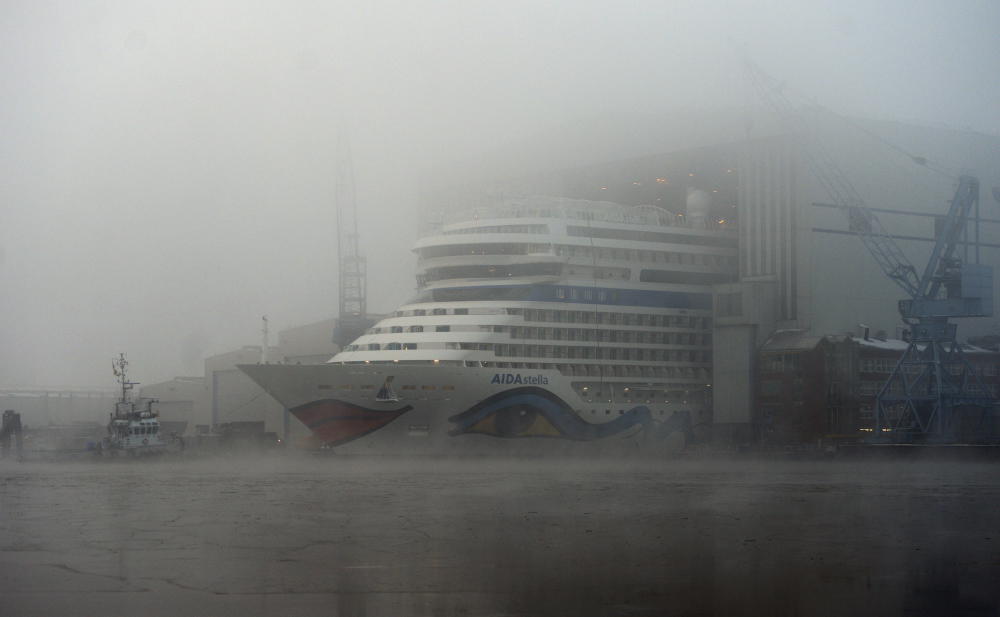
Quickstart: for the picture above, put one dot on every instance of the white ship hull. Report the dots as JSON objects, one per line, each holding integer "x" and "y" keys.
{"x": 443, "y": 409}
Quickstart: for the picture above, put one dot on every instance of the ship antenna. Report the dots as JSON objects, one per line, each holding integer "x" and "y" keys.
{"x": 120, "y": 368}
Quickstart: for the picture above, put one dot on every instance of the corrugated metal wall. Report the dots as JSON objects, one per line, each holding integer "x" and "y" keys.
{"x": 767, "y": 217}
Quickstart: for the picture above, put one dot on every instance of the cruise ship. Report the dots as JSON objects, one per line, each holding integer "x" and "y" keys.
{"x": 539, "y": 323}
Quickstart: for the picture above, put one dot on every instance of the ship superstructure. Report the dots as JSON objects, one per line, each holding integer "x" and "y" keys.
{"x": 133, "y": 427}
{"x": 534, "y": 317}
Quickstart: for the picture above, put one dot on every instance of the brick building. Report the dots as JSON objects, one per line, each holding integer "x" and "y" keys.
{"x": 823, "y": 388}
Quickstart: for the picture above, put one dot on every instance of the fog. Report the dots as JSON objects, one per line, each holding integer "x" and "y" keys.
{"x": 166, "y": 169}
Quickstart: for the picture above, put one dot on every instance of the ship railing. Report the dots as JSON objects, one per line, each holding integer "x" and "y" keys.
{"x": 631, "y": 215}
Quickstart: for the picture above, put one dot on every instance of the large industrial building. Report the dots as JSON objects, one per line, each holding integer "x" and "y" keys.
{"x": 801, "y": 266}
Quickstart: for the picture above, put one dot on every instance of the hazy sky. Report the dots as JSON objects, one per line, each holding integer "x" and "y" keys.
{"x": 166, "y": 168}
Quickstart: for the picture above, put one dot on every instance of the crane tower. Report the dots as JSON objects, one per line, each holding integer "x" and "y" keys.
{"x": 352, "y": 317}
{"x": 933, "y": 394}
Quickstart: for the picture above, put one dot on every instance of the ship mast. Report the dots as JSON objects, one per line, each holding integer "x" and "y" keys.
{"x": 120, "y": 368}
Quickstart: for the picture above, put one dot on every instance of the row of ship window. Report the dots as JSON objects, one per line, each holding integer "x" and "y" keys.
{"x": 505, "y": 248}
{"x": 500, "y": 229}
{"x": 648, "y": 236}
{"x": 699, "y": 373}
{"x": 646, "y": 275}
{"x": 579, "y": 370}
{"x": 583, "y": 252}
{"x": 633, "y": 255}
{"x": 591, "y": 353}
{"x": 482, "y": 271}
{"x": 641, "y": 320}
{"x": 144, "y": 430}
{"x": 633, "y": 354}
{"x": 443, "y": 311}
{"x": 644, "y": 337}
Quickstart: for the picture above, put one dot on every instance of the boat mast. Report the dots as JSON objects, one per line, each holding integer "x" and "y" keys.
{"x": 120, "y": 368}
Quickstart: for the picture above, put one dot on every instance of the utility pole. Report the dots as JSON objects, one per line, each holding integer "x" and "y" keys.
{"x": 264, "y": 343}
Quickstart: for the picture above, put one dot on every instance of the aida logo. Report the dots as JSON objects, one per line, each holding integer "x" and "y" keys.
{"x": 516, "y": 378}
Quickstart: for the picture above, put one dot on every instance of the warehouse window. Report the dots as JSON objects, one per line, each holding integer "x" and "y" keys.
{"x": 770, "y": 387}
{"x": 869, "y": 388}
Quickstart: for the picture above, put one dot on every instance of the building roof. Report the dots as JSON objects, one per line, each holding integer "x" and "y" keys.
{"x": 886, "y": 344}
{"x": 801, "y": 340}
{"x": 791, "y": 340}
{"x": 892, "y": 344}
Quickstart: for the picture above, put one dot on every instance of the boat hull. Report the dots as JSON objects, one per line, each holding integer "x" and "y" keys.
{"x": 431, "y": 410}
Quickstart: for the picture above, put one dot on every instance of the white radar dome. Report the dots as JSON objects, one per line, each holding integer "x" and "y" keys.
{"x": 699, "y": 203}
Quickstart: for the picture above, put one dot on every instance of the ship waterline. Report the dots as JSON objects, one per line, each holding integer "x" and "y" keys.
{"x": 447, "y": 409}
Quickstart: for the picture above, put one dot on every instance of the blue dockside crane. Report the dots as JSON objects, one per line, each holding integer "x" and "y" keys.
{"x": 933, "y": 395}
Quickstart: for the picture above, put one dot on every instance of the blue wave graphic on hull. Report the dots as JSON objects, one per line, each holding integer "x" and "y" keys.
{"x": 534, "y": 412}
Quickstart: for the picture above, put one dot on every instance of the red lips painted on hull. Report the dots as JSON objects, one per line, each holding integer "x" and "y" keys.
{"x": 338, "y": 422}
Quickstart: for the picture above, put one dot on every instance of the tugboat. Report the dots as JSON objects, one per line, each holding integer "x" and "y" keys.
{"x": 133, "y": 428}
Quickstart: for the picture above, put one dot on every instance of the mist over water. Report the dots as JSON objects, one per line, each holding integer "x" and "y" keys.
{"x": 350, "y": 536}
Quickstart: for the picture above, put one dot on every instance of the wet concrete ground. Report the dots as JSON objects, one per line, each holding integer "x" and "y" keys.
{"x": 292, "y": 536}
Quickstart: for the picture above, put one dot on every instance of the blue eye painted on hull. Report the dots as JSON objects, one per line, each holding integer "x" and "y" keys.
{"x": 534, "y": 412}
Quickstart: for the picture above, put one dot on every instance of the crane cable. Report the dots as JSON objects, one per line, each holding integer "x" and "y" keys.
{"x": 916, "y": 159}
{"x": 922, "y": 161}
